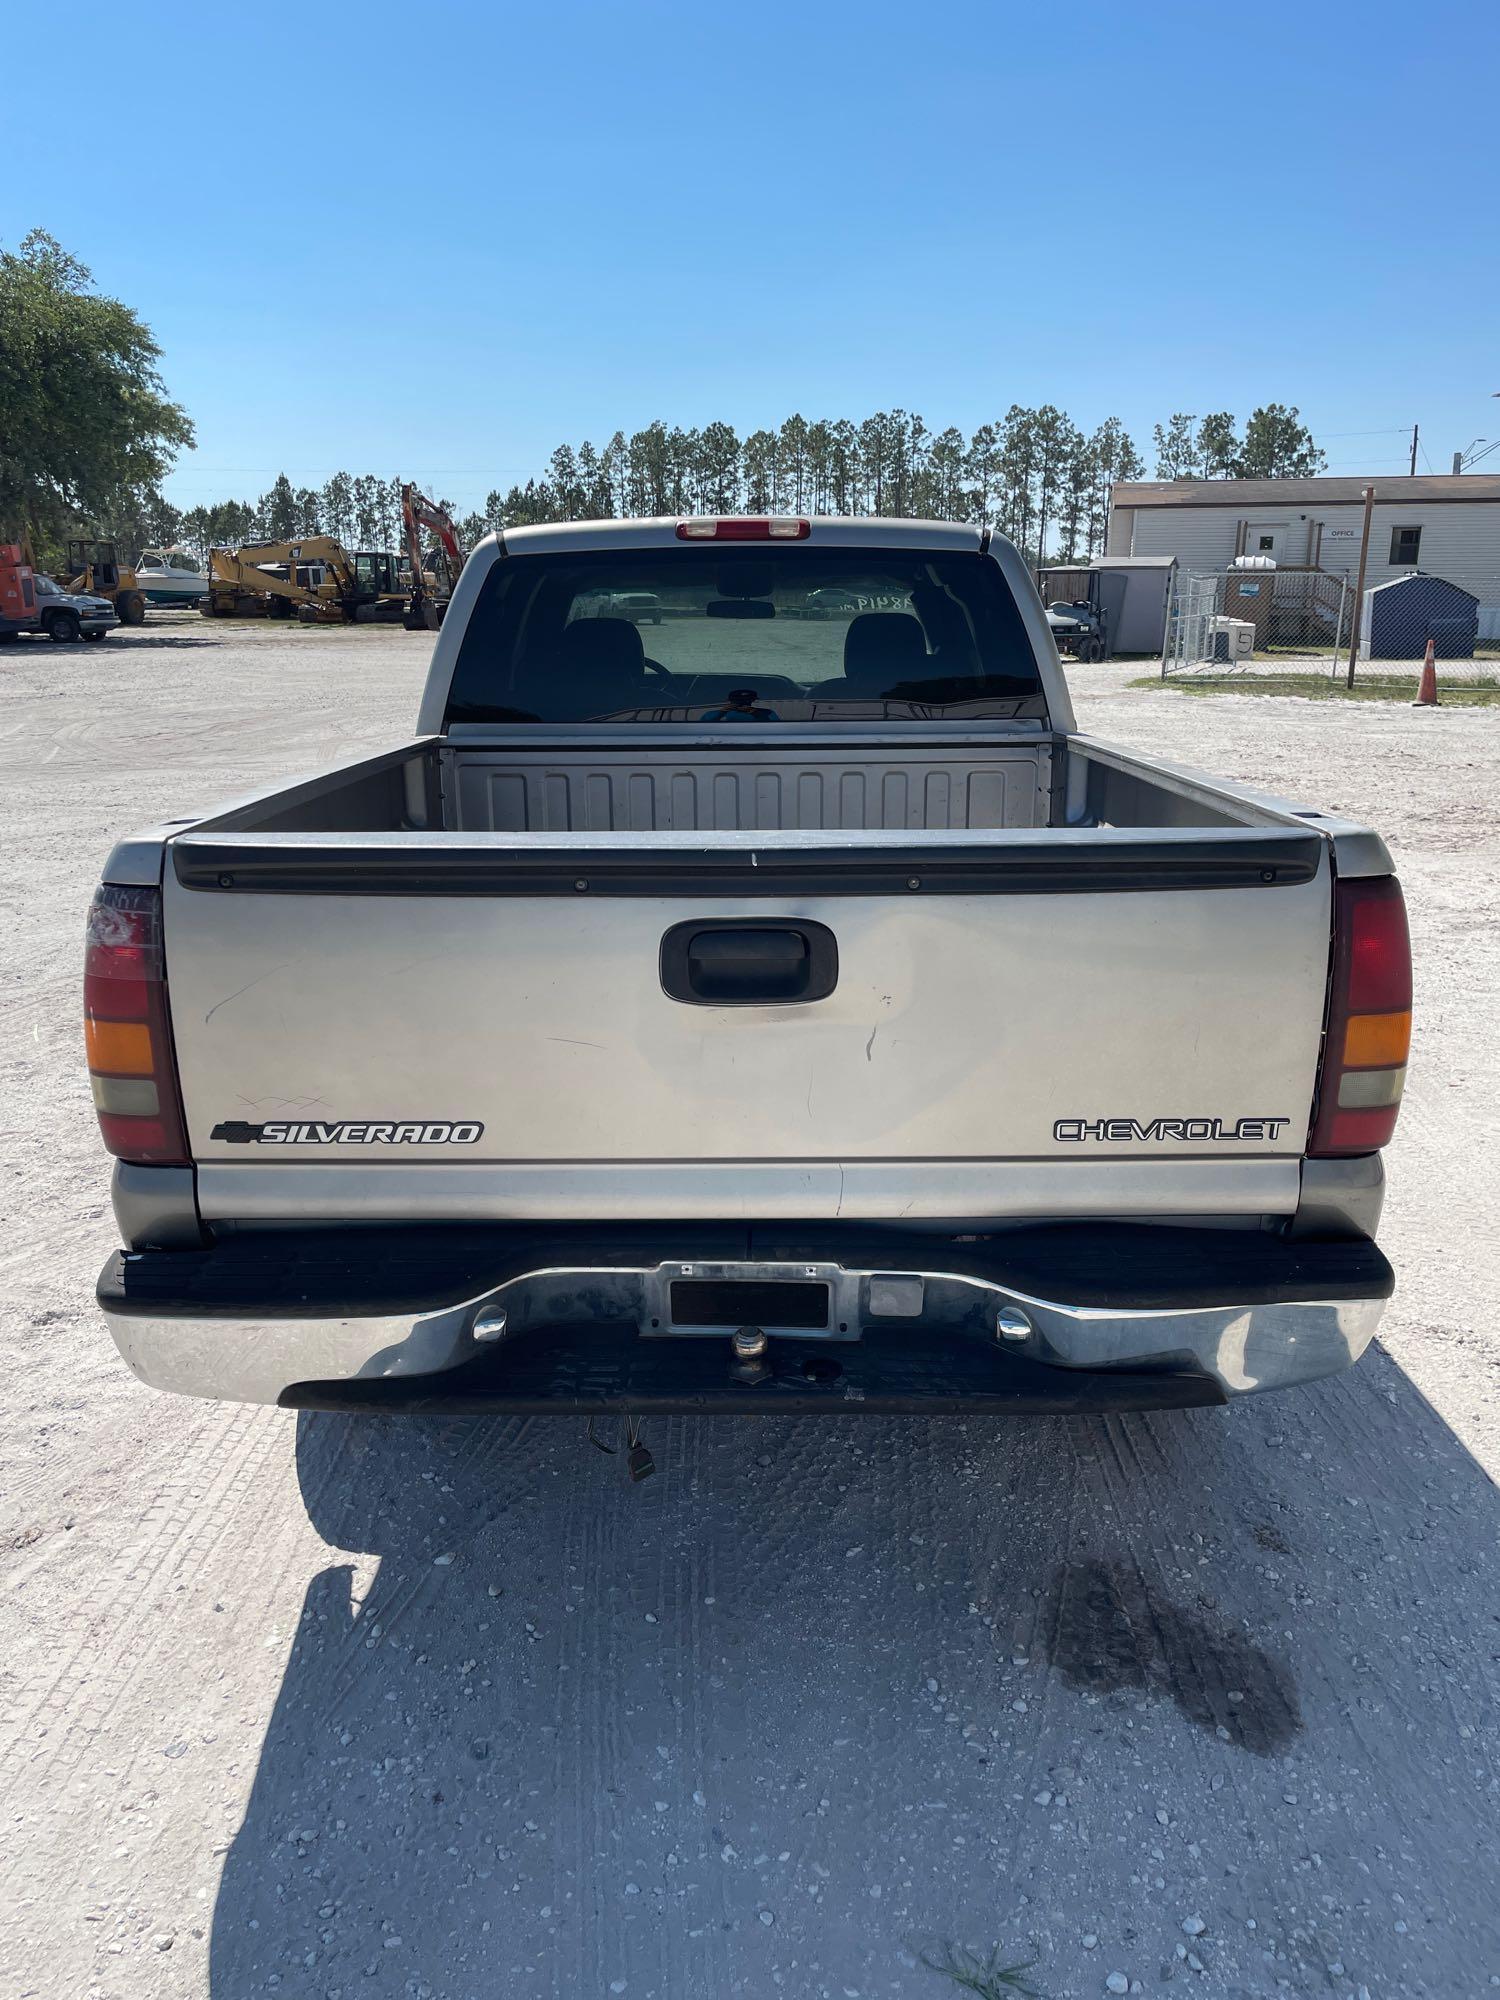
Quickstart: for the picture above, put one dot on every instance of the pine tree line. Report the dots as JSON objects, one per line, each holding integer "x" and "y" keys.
{"x": 1033, "y": 473}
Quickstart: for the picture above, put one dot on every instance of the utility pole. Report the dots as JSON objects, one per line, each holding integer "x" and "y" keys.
{"x": 1414, "y": 451}
{"x": 1359, "y": 586}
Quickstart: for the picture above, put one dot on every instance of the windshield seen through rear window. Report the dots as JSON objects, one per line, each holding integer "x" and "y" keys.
{"x": 715, "y": 634}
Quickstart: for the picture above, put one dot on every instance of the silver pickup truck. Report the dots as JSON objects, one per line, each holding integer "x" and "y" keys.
{"x": 779, "y": 1007}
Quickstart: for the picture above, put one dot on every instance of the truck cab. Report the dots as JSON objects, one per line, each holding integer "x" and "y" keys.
{"x": 34, "y": 603}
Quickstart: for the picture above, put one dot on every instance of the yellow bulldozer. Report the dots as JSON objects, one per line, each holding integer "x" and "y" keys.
{"x": 315, "y": 579}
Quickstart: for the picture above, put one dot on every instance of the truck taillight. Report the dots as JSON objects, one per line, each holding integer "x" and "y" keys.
{"x": 1369, "y": 1020}
{"x": 127, "y": 1029}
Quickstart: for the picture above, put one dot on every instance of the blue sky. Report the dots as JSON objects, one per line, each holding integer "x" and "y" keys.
{"x": 437, "y": 241}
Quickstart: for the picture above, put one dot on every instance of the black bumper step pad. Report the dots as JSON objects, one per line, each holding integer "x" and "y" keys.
{"x": 601, "y": 1369}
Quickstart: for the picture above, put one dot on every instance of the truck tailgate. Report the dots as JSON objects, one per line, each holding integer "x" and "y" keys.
{"x": 1061, "y": 999}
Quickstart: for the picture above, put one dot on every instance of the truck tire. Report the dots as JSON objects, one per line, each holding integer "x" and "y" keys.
{"x": 62, "y": 627}
{"x": 278, "y": 607}
{"x": 131, "y": 606}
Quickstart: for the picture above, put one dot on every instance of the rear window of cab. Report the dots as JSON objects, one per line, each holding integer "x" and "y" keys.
{"x": 719, "y": 634}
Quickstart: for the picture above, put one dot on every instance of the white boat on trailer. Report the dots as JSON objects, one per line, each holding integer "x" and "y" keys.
{"x": 166, "y": 577}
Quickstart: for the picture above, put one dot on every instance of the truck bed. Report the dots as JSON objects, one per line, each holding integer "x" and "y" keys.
{"x": 341, "y": 947}
{"x": 610, "y": 782}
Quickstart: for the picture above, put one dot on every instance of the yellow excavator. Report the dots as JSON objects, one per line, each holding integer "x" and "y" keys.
{"x": 431, "y": 587}
{"x": 314, "y": 579}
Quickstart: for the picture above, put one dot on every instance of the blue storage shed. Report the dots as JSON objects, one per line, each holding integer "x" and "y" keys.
{"x": 1399, "y": 618}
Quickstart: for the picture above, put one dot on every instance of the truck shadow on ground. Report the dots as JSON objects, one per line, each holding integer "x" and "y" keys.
{"x": 147, "y": 640}
{"x": 769, "y": 1718}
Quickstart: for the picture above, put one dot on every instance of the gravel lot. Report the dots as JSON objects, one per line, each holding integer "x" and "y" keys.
{"x": 330, "y": 1707}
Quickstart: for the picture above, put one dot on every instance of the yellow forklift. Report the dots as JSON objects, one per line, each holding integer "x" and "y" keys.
{"x": 93, "y": 570}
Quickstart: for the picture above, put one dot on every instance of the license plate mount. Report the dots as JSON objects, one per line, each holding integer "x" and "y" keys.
{"x": 713, "y": 1301}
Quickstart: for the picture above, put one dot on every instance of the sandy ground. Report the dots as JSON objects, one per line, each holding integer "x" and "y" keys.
{"x": 335, "y": 1708}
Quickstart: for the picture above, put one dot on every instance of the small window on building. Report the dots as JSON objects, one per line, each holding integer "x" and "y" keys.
{"x": 1266, "y": 544}
{"x": 1404, "y": 545}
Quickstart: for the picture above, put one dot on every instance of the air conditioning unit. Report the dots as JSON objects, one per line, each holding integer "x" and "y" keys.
{"x": 1231, "y": 640}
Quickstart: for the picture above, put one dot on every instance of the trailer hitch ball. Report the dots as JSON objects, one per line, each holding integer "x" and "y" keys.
{"x": 490, "y": 1324}
{"x": 1012, "y": 1324}
{"x": 748, "y": 1346}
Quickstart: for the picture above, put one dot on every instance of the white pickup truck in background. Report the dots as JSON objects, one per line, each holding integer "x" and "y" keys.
{"x": 773, "y": 1006}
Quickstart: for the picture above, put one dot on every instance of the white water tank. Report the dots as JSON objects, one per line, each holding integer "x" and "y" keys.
{"x": 1232, "y": 640}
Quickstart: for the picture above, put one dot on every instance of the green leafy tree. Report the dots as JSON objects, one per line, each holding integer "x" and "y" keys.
{"x": 1278, "y": 446}
{"x": 138, "y": 521}
{"x": 1218, "y": 446}
{"x": 718, "y": 469}
{"x": 566, "y": 484}
{"x": 843, "y": 465}
{"x": 225, "y": 525}
{"x": 877, "y": 460}
{"x": 1076, "y": 499}
{"x": 1176, "y": 448}
{"x": 681, "y": 471}
{"x": 615, "y": 467}
{"x": 758, "y": 471}
{"x": 1056, "y": 441}
{"x": 791, "y": 462}
{"x": 528, "y": 506}
{"x": 649, "y": 470}
{"x": 910, "y": 441}
{"x": 1033, "y": 473}
{"x": 368, "y": 496}
{"x": 593, "y": 482}
{"x": 1018, "y": 468}
{"x": 336, "y": 507}
{"x": 819, "y": 465}
{"x": 941, "y": 494}
{"x": 86, "y": 426}
{"x": 982, "y": 465}
{"x": 278, "y": 515}
{"x": 1115, "y": 459}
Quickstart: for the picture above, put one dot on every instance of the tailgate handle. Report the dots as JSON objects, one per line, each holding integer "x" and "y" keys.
{"x": 724, "y": 962}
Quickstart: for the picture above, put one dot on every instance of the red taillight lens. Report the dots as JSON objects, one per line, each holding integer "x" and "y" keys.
{"x": 1369, "y": 1020}
{"x": 127, "y": 1029}
{"x": 741, "y": 528}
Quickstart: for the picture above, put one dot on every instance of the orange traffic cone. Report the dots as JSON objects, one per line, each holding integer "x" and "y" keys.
{"x": 1427, "y": 695}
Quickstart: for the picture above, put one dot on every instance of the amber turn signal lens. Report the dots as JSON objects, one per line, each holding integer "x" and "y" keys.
{"x": 119, "y": 1048}
{"x": 1377, "y": 1041}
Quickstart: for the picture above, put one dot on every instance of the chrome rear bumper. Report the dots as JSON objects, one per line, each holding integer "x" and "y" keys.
{"x": 294, "y": 1346}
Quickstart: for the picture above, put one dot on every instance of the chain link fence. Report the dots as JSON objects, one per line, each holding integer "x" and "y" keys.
{"x": 1274, "y": 622}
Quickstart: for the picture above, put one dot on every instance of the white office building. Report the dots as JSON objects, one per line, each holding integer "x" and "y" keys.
{"x": 1444, "y": 524}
